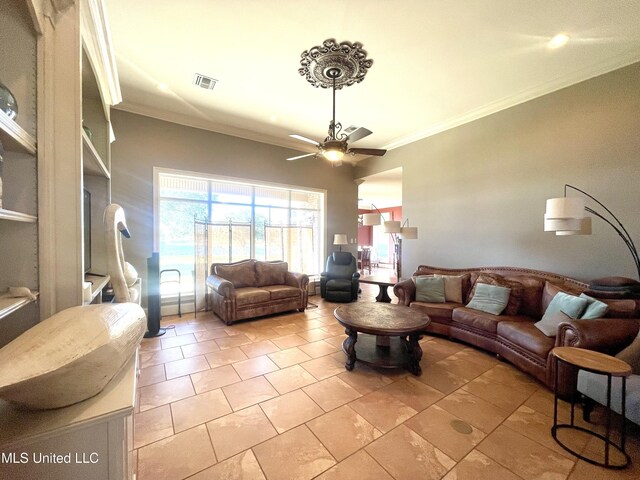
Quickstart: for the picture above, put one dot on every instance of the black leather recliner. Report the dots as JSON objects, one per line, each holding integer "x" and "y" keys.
{"x": 340, "y": 280}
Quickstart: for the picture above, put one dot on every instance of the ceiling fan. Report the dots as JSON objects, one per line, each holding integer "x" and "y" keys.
{"x": 334, "y": 65}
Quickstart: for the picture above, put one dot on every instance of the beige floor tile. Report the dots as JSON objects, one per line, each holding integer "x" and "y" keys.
{"x": 383, "y": 410}
{"x": 365, "y": 379}
{"x": 231, "y": 342}
{"x": 225, "y": 357}
{"x": 407, "y": 456}
{"x": 315, "y": 334}
{"x": 186, "y": 366}
{"x": 177, "y": 341}
{"x": 413, "y": 393}
{"x": 238, "y": 431}
{"x": 359, "y": 466}
{"x": 334, "y": 329}
{"x": 523, "y": 456}
{"x": 503, "y": 396}
{"x": 152, "y": 425}
{"x": 336, "y": 341}
{"x": 288, "y": 357}
{"x": 262, "y": 334}
{"x": 323, "y": 367}
{"x": 290, "y": 378}
{"x": 209, "y": 335}
{"x": 433, "y": 351}
{"x": 290, "y": 410}
{"x": 447, "y": 432}
{"x": 506, "y": 374}
{"x": 149, "y": 344}
{"x": 176, "y": 457}
{"x": 309, "y": 324}
{"x": 156, "y": 357}
{"x": 259, "y": 348}
{"x": 478, "y": 466}
{"x": 200, "y": 348}
{"x": 343, "y": 432}
{"x": 254, "y": 367}
{"x": 289, "y": 341}
{"x": 310, "y": 458}
{"x": 162, "y": 393}
{"x": 199, "y": 409}
{"x": 249, "y": 392}
{"x": 185, "y": 328}
{"x": 438, "y": 377}
{"x": 537, "y": 427}
{"x": 331, "y": 393}
{"x": 243, "y": 466}
{"x": 150, "y": 375}
{"x": 287, "y": 329}
{"x": 214, "y": 378}
{"x": 318, "y": 349}
{"x": 474, "y": 410}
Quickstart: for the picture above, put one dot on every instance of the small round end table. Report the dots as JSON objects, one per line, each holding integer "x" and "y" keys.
{"x": 600, "y": 363}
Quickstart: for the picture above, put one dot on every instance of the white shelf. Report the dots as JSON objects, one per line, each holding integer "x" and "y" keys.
{"x": 17, "y": 216}
{"x": 9, "y": 305}
{"x": 92, "y": 163}
{"x": 14, "y": 137}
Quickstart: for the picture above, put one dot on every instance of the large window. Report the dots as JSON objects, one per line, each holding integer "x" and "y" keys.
{"x": 242, "y": 219}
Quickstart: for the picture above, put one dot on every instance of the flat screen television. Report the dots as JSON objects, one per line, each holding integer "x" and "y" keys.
{"x": 87, "y": 230}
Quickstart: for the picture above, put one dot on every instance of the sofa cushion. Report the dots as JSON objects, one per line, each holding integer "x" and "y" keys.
{"x": 631, "y": 355}
{"x": 513, "y": 304}
{"x": 482, "y": 320}
{"x": 241, "y": 274}
{"x": 268, "y": 273}
{"x": 430, "y": 289}
{"x": 549, "y": 323}
{"x": 281, "y": 291}
{"x": 595, "y": 308}
{"x": 437, "y": 310}
{"x": 251, "y": 295}
{"x": 489, "y": 298}
{"x": 339, "y": 285}
{"x": 527, "y": 336}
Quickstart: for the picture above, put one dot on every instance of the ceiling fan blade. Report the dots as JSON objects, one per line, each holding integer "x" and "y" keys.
{"x": 304, "y": 139}
{"x": 368, "y": 151}
{"x": 358, "y": 134}
{"x": 301, "y": 156}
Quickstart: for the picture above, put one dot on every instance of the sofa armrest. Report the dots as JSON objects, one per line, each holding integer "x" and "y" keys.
{"x": 355, "y": 276}
{"x": 219, "y": 285}
{"x": 608, "y": 335}
{"x": 299, "y": 280}
{"x": 405, "y": 291}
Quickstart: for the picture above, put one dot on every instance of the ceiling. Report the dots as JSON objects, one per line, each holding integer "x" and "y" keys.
{"x": 435, "y": 64}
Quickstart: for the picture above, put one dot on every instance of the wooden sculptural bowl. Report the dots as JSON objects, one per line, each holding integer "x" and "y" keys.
{"x": 70, "y": 356}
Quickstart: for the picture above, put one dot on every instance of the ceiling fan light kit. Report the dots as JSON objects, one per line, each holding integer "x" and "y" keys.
{"x": 335, "y": 65}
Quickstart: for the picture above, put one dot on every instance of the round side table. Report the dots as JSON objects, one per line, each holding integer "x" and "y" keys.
{"x": 602, "y": 364}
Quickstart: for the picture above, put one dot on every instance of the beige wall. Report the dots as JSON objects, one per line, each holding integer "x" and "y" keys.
{"x": 477, "y": 192}
{"x": 143, "y": 143}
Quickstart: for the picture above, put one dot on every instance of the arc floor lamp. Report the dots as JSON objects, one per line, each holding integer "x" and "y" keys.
{"x": 566, "y": 216}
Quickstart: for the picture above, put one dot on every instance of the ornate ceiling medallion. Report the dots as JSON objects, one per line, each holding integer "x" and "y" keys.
{"x": 345, "y": 63}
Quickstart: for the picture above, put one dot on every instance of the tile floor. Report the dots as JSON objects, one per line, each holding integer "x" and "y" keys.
{"x": 270, "y": 399}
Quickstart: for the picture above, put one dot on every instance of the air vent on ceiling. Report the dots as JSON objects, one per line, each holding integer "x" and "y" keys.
{"x": 205, "y": 82}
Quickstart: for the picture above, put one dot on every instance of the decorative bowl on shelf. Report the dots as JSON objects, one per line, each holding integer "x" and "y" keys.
{"x": 8, "y": 102}
{"x": 70, "y": 356}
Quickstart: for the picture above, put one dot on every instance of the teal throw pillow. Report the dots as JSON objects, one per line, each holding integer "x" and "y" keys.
{"x": 490, "y": 298}
{"x": 430, "y": 289}
{"x": 568, "y": 304}
{"x": 595, "y": 308}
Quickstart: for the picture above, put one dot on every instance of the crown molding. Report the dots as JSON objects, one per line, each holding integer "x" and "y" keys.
{"x": 556, "y": 84}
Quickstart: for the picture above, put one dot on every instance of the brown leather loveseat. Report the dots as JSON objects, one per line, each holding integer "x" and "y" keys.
{"x": 251, "y": 288}
{"x": 514, "y": 336}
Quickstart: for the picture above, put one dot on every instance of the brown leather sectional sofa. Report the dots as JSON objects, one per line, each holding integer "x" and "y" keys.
{"x": 251, "y": 288}
{"x": 515, "y": 337}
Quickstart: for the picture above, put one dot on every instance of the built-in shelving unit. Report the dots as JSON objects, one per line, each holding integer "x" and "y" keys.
{"x": 19, "y": 38}
{"x": 92, "y": 163}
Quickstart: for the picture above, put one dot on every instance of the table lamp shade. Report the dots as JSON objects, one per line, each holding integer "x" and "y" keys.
{"x": 340, "y": 239}
{"x": 565, "y": 207}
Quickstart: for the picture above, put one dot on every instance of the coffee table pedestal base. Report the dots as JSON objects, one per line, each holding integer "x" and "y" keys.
{"x": 401, "y": 352}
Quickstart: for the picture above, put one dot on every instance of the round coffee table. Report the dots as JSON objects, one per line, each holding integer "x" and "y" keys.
{"x": 390, "y": 335}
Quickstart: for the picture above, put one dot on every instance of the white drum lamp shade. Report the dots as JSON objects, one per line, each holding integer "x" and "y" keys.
{"x": 392, "y": 226}
{"x": 369, "y": 219}
{"x": 585, "y": 228}
{"x": 565, "y": 207}
{"x": 561, "y": 224}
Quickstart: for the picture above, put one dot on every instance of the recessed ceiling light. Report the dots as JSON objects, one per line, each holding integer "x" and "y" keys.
{"x": 560, "y": 40}
{"x": 163, "y": 87}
